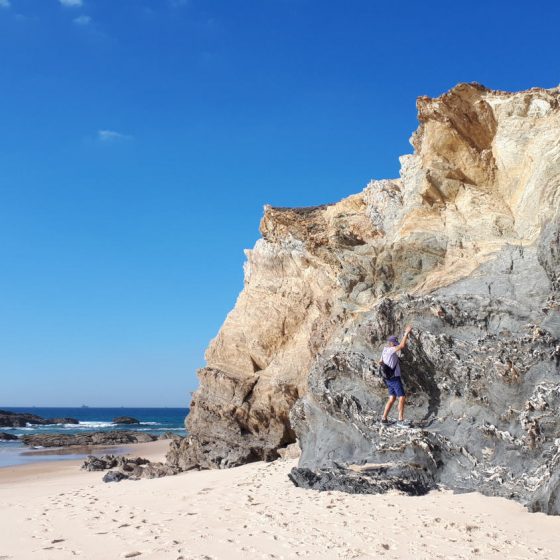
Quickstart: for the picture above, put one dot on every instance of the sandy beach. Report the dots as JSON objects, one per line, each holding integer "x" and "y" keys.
{"x": 56, "y": 511}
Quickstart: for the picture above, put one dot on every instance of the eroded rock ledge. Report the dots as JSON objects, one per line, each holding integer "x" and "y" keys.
{"x": 466, "y": 245}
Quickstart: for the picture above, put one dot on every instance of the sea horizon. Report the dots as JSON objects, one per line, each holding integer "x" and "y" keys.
{"x": 151, "y": 420}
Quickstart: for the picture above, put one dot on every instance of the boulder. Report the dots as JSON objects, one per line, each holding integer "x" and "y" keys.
{"x": 4, "y": 436}
{"x": 93, "y": 463}
{"x": 114, "y": 476}
{"x": 125, "y": 420}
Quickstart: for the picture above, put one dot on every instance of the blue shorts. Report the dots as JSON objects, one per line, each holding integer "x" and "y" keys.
{"x": 395, "y": 387}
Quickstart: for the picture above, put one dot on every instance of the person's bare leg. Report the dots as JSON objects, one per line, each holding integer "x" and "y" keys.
{"x": 401, "y": 407}
{"x": 388, "y": 406}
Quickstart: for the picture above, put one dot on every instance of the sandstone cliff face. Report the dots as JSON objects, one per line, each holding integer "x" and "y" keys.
{"x": 466, "y": 245}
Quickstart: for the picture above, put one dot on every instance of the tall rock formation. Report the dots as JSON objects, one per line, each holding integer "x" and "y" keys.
{"x": 466, "y": 246}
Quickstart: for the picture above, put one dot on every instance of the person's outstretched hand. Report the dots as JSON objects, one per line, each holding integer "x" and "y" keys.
{"x": 407, "y": 329}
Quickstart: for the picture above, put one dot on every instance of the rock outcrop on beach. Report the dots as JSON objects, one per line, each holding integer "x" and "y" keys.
{"x": 120, "y": 467}
{"x": 465, "y": 245}
{"x": 115, "y": 437}
{"x": 4, "y": 436}
{"x": 9, "y": 419}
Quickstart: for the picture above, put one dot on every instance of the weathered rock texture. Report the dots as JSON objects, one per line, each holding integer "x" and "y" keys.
{"x": 466, "y": 246}
{"x": 115, "y": 437}
{"x": 131, "y": 468}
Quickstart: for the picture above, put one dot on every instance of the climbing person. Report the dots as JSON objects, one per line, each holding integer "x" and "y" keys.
{"x": 390, "y": 365}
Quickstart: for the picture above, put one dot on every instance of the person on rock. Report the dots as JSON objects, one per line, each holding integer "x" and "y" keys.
{"x": 390, "y": 357}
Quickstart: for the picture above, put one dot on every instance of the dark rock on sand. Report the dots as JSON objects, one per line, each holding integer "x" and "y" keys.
{"x": 87, "y": 438}
{"x": 4, "y": 436}
{"x": 125, "y": 420}
{"x": 372, "y": 479}
{"x": 133, "y": 468}
{"x": 114, "y": 476}
{"x": 93, "y": 463}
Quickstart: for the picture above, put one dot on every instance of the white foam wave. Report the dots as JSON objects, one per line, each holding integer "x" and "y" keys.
{"x": 150, "y": 423}
{"x": 91, "y": 424}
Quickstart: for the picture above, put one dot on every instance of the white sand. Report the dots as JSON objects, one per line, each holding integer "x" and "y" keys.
{"x": 57, "y": 512}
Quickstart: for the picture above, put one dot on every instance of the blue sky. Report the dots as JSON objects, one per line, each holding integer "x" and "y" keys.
{"x": 139, "y": 141}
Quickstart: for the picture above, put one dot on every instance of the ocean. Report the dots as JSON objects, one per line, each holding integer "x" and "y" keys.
{"x": 152, "y": 420}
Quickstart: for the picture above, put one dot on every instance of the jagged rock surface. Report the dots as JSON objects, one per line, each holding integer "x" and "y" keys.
{"x": 466, "y": 246}
{"x": 131, "y": 468}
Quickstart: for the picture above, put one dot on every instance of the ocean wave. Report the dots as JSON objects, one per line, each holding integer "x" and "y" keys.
{"x": 92, "y": 424}
{"x": 150, "y": 423}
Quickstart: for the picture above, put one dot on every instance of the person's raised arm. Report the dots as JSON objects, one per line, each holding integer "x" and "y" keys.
{"x": 404, "y": 340}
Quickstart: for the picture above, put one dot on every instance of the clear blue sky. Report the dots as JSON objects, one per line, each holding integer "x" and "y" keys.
{"x": 140, "y": 139}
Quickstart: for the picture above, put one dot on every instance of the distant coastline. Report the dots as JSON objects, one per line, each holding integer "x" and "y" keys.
{"x": 155, "y": 421}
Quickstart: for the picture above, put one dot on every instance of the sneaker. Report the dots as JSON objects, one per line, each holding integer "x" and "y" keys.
{"x": 384, "y": 421}
{"x": 404, "y": 424}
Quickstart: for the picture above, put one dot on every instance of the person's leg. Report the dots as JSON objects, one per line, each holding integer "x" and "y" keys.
{"x": 388, "y": 406}
{"x": 401, "y": 407}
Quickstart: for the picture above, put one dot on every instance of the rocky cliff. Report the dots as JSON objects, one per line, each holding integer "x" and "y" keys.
{"x": 466, "y": 246}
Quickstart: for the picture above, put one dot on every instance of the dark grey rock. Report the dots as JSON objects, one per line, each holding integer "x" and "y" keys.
{"x": 483, "y": 381}
{"x": 133, "y": 468}
{"x": 196, "y": 452}
{"x": 114, "y": 476}
{"x": 377, "y": 479}
{"x": 115, "y": 437}
{"x": 4, "y": 436}
{"x": 21, "y": 419}
{"x": 125, "y": 420}
{"x": 93, "y": 463}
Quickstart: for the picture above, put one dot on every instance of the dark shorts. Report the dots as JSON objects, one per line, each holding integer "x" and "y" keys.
{"x": 395, "y": 387}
